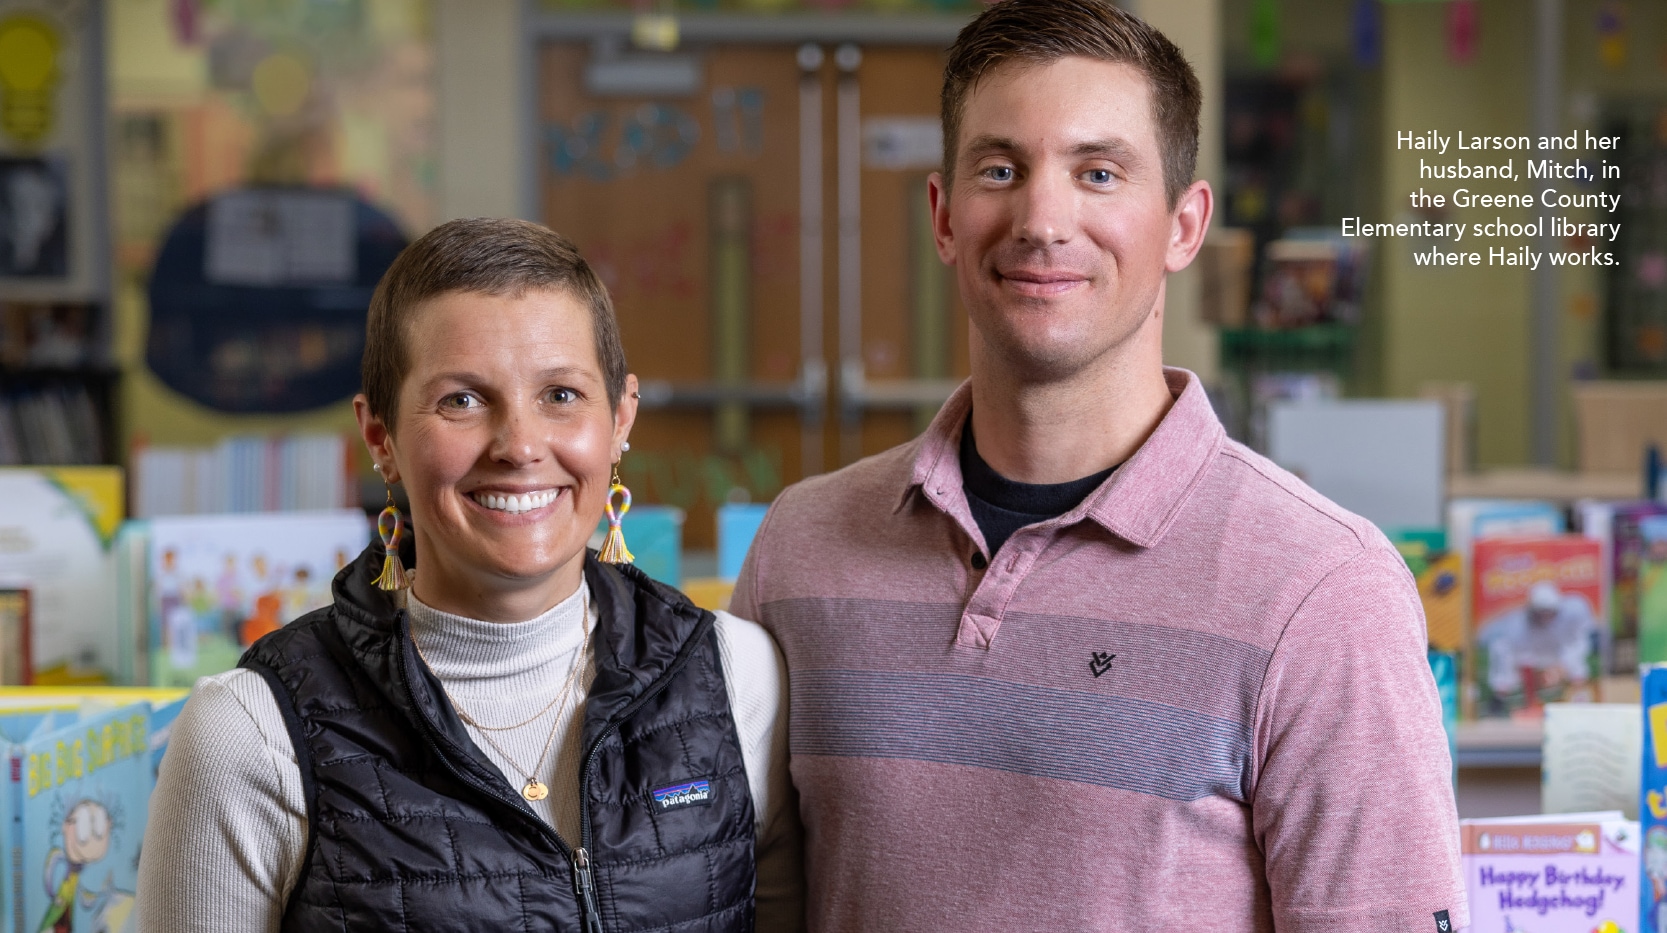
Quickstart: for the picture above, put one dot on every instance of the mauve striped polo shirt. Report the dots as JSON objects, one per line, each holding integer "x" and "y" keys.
{"x": 1197, "y": 701}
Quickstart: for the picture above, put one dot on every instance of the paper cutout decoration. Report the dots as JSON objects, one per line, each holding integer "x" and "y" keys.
{"x": 1367, "y": 29}
{"x": 1612, "y": 34}
{"x": 258, "y": 297}
{"x": 1264, "y": 33}
{"x": 29, "y": 75}
{"x": 1464, "y": 30}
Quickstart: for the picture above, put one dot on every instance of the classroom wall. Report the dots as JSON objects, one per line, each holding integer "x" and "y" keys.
{"x": 1195, "y": 26}
{"x": 479, "y": 69}
{"x": 1466, "y": 324}
{"x": 1476, "y": 326}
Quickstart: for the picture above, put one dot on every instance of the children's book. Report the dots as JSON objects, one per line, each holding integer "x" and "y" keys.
{"x": 1558, "y": 873}
{"x": 1537, "y": 635}
{"x": 132, "y": 561}
{"x": 1472, "y": 520}
{"x": 1444, "y": 666}
{"x": 217, "y": 583}
{"x": 56, "y": 529}
{"x": 654, "y": 535}
{"x": 738, "y": 524}
{"x": 78, "y": 792}
{"x": 1620, "y": 526}
{"x": 1649, "y": 589}
{"x": 16, "y": 629}
{"x": 1439, "y": 574}
{"x": 1652, "y": 803}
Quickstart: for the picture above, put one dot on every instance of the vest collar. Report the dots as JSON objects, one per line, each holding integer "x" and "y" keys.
{"x": 643, "y": 631}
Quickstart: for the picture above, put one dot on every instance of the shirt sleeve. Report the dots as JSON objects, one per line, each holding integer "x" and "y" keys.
{"x": 756, "y": 677}
{"x": 744, "y": 600}
{"x": 1353, "y": 800}
{"x": 227, "y": 830}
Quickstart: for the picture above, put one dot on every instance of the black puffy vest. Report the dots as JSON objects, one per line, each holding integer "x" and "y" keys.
{"x": 412, "y": 827}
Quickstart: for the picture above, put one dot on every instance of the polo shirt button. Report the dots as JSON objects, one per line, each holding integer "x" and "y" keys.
{"x": 978, "y": 560}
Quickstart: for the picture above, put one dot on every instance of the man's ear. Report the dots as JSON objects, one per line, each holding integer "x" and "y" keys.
{"x": 1189, "y": 222}
{"x": 378, "y": 439}
{"x": 937, "y": 198}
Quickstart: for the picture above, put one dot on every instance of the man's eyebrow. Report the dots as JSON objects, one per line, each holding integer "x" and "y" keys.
{"x": 1117, "y": 150}
{"x": 465, "y": 377}
{"x": 1114, "y": 148}
{"x": 987, "y": 143}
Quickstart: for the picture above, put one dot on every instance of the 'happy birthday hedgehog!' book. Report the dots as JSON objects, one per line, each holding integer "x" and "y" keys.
{"x": 73, "y": 808}
{"x": 1557, "y": 873}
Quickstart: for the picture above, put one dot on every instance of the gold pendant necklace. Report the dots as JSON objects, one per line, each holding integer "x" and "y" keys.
{"x": 534, "y": 790}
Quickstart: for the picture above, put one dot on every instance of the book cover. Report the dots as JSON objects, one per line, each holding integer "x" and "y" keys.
{"x": 219, "y": 582}
{"x": 1627, "y": 551}
{"x": 132, "y": 555}
{"x": 1472, "y": 520}
{"x": 1652, "y": 804}
{"x": 1650, "y": 589}
{"x": 16, "y": 623}
{"x": 1590, "y": 756}
{"x": 1564, "y": 873}
{"x": 80, "y": 789}
{"x": 57, "y": 525}
{"x": 1536, "y": 631}
{"x": 1439, "y": 574}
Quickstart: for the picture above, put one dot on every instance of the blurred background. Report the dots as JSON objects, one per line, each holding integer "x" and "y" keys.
{"x": 197, "y": 197}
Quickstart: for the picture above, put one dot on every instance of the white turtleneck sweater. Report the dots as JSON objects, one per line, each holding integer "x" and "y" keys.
{"x": 227, "y": 833}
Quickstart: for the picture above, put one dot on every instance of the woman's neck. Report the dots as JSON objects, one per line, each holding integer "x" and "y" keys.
{"x": 496, "y": 599}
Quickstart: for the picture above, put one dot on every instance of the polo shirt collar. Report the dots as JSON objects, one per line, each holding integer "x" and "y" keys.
{"x": 1137, "y": 503}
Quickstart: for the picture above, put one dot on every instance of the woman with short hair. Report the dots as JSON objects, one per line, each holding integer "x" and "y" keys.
{"x": 526, "y": 738}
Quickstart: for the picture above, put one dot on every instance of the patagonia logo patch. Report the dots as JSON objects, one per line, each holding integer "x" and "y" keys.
{"x": 677, "y": 796}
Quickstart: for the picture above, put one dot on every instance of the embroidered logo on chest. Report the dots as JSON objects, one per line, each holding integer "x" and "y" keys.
{"x": 678, "y": 796}
{"x": 1100, "y": 662}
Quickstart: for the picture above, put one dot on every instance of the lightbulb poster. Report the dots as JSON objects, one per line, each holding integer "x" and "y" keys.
{"x": 49, "y": 157}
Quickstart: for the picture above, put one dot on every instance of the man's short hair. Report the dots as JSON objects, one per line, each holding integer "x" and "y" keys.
{"x": 483, "y": 256}
{"x": 1040, "y": 32}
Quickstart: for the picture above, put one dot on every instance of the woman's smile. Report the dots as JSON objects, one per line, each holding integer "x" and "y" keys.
{"x": 513, "y": 502}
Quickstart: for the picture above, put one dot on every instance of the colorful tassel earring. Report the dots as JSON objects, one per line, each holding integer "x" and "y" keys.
{"x": 613, "y": 549}
{"x": 391, "y": 526}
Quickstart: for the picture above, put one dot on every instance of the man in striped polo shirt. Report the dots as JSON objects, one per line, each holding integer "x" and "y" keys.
{"x": 1072, "y": 659}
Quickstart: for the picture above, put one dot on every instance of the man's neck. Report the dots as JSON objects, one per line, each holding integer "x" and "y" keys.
{"x": 1055, "y": 432}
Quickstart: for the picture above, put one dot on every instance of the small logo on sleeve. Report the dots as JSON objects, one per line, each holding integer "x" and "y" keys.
{"x": 677, "y": 796}
{"x": 1100, "y": 662}
{"x": 1442, "y": 924}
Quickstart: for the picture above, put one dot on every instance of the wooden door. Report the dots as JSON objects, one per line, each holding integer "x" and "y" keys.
{"x": 692, "y": 202}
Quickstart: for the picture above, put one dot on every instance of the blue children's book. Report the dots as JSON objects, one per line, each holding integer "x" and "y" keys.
{"x": 1652, "y": 804}
{"x": 75, "y": 801}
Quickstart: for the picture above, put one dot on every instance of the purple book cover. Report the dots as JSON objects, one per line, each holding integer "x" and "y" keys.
{"x": 1570, "y": 873}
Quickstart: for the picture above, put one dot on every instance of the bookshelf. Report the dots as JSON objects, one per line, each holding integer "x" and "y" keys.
{"x": 57, "y": 384}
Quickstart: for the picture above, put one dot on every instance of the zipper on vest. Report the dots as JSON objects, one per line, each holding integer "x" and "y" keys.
{"x": 584, "y": 890}
{"x": 493, "y": 792}
{"x": 584, "y": 882}
{"x": 653, "y": 690}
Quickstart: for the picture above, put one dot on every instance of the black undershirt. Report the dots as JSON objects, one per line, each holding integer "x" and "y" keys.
{"x": 1001, "y": 506}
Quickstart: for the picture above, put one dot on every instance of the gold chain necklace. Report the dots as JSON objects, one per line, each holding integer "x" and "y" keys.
{"x": 534, "y": 789}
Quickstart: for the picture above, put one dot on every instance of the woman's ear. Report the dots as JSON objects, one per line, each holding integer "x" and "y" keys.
{"x": 625, "y": 415}
{"x": 378, "y": 439}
